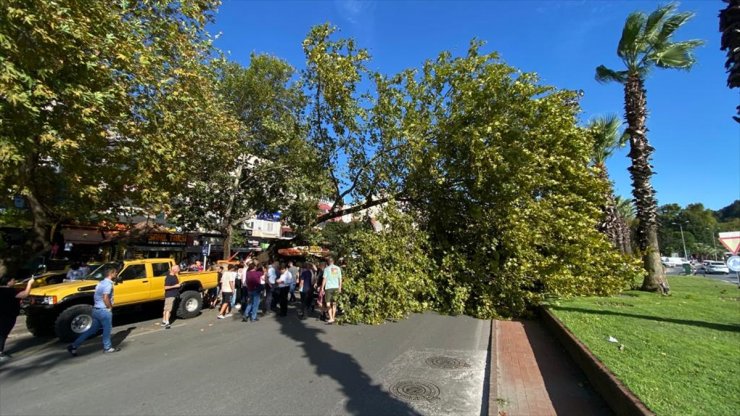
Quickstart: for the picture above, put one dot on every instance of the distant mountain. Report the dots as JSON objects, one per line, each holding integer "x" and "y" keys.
{"x": 729, "y": 212}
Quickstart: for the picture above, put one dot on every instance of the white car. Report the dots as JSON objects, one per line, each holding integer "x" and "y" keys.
{"x": 714, "y": 267}
{"x": 673, "y": 261}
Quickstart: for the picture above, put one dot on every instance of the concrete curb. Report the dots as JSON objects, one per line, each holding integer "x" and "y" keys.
{"x": 493, "y": 409}
{"x": 619, "y": 398}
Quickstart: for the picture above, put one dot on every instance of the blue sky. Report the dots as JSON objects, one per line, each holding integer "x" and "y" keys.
{"x": 697, "y": 157}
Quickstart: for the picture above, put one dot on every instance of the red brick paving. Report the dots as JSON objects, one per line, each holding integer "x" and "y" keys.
{"x": 536, "y": 377}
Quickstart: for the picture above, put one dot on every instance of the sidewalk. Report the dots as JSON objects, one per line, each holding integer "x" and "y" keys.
{"x": 532, "y": 375}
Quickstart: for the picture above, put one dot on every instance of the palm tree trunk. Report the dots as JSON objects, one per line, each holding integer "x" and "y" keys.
{"x": 635, "y": 106}
{"x": 609, "y": 224}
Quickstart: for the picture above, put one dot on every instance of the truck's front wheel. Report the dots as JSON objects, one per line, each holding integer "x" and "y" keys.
{"x": 190, "y": 304}
{"x": 39, "y": 326}
{"x": 73, "y": 321}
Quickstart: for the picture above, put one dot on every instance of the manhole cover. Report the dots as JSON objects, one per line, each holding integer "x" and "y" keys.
{"x": 447, "y": 363}
{"x": 415, "y": 390}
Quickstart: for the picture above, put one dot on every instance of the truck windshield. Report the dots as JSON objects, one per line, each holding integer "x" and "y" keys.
{"x": 99, "y": 273}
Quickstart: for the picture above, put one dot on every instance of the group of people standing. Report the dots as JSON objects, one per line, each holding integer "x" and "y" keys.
{"x": 274, "y": 285}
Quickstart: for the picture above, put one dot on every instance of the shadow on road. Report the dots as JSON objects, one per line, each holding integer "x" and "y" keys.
{"x": 363, "y": 396}
{"x": 28, "y": 362}
{"x": 566, "y": 385}
{"x": 36, "y": 355}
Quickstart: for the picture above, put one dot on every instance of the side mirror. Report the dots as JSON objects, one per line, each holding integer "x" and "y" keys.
{"x": 118, "y": 280}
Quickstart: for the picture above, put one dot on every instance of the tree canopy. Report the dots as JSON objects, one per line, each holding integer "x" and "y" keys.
{"x": 104, "y": 103}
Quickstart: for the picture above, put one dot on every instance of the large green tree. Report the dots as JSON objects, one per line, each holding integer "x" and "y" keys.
{"x": 356, "y": 134}
{"x": 499, "y": 176}
{"x": 103, "y": 104}
{"x": 646, "y": 43}
{"x": 270, "y": 166}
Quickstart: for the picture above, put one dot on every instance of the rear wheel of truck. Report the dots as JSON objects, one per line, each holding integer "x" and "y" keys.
{"x": 39, "y": 326}
{"x": 190, "y": 304}
{"x": 73, "y": 321}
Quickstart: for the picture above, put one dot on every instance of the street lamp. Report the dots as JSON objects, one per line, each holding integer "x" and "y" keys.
{"x": 685, "y": 253}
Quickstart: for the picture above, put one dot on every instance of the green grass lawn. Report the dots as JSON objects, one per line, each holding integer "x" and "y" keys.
{"x": 681, "y": 353}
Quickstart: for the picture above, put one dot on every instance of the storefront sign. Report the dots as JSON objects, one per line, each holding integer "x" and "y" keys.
{"x": 165, "y": 239}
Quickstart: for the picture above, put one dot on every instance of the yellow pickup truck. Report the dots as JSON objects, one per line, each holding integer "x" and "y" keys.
{"x": 65, "y": 309}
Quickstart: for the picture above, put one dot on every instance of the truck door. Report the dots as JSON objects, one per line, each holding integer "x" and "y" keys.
{"x": 134, "y": 286}
{"x": 159, "y": 271}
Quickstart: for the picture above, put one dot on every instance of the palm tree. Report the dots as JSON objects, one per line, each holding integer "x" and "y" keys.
{"x": 729, "y": 25}
{"x": 606, "y": 139}
{"x": 625, "y": 209}
{"x": 646, "y": 43}
{"x": 626, "y": 212}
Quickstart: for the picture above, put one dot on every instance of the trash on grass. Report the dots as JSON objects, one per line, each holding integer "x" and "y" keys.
{"x": 612, "y": 339}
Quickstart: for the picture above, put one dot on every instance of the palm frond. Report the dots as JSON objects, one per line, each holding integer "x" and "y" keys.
{"x": 604, "y": 75}
{"x": 670, "y": 26}
{"x": 630, "y": 43}
{"x": 606, "y": 135}
{"x": 677, "y": 55}
{"x": 625, "y": 208}
{"x": 656, "y": 21}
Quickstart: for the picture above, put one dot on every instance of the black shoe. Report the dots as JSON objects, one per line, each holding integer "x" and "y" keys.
{"x": 167, "y": 326}
{"x": 72, "y": 350}
{"x": 111, "y": 350}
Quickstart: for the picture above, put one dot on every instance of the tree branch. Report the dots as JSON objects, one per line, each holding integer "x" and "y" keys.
{"x": 356, "y": 208}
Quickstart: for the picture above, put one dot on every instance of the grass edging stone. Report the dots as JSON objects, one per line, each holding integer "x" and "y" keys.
{"x": 619, "y": 398}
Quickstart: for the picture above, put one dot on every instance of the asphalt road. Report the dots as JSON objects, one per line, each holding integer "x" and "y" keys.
{"x": 729, "y": 278}
{"x": 277, "y": 366}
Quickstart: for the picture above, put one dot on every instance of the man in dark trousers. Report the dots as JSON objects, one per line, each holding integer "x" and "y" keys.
{"x": 171, "y": 290}
{"x": 10, "y": 308}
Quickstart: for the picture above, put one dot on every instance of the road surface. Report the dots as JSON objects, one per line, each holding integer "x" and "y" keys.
{"x": 277, "y": 366}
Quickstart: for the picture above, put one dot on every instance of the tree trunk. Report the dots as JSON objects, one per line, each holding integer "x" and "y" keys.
{"x": 228, "y": 221}
{"x": 40, "y": 224}
{"x": 228, "y": 232}
{"x": 38, "y": 212}
{"x": 635, "y": 106}
{"x": 610, "y": 221}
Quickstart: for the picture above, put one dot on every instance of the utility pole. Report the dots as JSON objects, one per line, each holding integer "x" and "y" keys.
{"x": 714, "y": 243}
{"x": 685, "y": 253}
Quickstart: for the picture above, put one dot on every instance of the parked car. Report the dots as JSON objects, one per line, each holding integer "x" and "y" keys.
{"x": 673, "y": 261}
{"x": 709, "y": 267}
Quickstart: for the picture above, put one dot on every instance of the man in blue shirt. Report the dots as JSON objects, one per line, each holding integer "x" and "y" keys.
{"x": 102, "y": 315}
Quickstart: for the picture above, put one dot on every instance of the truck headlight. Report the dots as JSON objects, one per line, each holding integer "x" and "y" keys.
{"x": 43, "y": 300}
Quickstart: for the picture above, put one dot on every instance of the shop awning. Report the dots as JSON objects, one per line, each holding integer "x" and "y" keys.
{"x": 82, "y": 235}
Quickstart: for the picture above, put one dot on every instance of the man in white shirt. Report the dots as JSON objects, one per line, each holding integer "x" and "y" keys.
{"x": 271, "y": 298}
{"x": 228, "y": 285}
{"x": 284, "y": 282}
